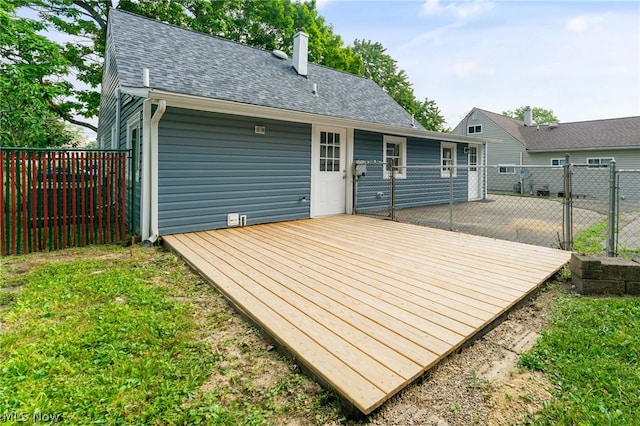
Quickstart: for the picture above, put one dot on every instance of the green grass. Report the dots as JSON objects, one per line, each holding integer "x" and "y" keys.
{"x": 592, "y": 240}
{"x": 590, "y": 353}
{"x": 109, "y": 335}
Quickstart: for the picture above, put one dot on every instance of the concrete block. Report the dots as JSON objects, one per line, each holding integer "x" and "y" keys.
{"x": 633, "y": 288}
{"x": 589, "y": 286}
{"x": 614, "y": 268}
{"x": 585, "y": 266}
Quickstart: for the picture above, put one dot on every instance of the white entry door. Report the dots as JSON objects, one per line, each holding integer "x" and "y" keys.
{"x": 328, "y": 179}
{"x": 474, "y": 172}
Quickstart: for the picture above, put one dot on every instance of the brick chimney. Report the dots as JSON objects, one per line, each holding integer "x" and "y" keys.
{"x": 300, "y": 52}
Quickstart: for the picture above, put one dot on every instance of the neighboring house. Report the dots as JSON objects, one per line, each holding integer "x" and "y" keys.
{"x": 524, "y": 143}
{"x": 223, "y": 134}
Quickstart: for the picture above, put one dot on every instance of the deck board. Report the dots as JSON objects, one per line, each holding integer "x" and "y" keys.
{"x": 366, "y": 305}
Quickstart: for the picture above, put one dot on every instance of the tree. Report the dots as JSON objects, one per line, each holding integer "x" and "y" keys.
{"x": 31, "y": 71}
{"x": 383, "y": 69}
{"x": 540, "y": 115}
{"x": 268, "y": 25}
{"x": 264, "y": 24}
{"x": 429, "y": 115}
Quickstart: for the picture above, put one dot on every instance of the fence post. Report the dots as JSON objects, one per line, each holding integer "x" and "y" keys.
{"x": 451, "y": 198}
{"x": 613, "y": 197}
{"x": 392, "y": 179}
{"x": 567, "y": 202}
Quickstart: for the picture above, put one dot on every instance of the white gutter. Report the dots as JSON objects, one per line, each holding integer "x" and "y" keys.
{"x": 248, "y": 110}
{"x": 152, "y": 184}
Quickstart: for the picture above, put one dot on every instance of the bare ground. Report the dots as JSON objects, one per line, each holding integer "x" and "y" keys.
{"x": 479, "y": 385}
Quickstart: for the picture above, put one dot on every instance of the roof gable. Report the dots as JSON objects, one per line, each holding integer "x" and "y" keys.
{"x": 192, "y": 63}
{"x": 596, "y": 134}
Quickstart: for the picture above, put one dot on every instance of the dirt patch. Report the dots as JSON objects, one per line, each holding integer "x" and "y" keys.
{"x": 520, "y": 394}
{"x": 482, "y": 384}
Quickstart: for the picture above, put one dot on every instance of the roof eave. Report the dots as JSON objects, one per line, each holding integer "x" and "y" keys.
{"x": 599, "y": 148}
{"x": 236, "y": 108}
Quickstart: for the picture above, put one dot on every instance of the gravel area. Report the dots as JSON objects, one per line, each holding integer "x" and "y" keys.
{"x": 531, "y": 220}
{"x": 482, "y": 384}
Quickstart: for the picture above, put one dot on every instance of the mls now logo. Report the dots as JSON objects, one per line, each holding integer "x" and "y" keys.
{"x": 35, "y": 417}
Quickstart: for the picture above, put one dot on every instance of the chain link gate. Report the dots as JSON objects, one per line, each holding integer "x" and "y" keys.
{"x": 553, "y": 205}
{"x": 624, "y": 222}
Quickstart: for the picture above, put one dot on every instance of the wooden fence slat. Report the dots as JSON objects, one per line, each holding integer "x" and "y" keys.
{"x": 45, "y": 200}
{"x": 52, "y": 199}
{"x": 33, "y": 188}
{"x": 14, "y": 206}
{"x": 83, "y": 206}
{"x": 22, "y": 194}
{"x": 3, "y": 207}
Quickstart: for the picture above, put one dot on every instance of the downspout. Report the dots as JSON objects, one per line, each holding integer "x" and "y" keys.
{"x": 118, "y": 111}
{"x": 153, "y": 172}
{"x": 145, "y": 189}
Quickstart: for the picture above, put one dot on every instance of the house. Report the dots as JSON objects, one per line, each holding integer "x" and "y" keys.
{"x": 524, "y": 143}
{"x": 222, "y": 134}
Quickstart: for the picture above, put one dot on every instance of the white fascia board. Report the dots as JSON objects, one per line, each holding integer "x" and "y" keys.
{"x": 229, "y": 107}
{"x": 141, "y": 92}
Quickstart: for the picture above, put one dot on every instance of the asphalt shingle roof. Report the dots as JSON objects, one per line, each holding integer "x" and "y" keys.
{"x": 608, "y": 133}
{"x": 188, "y": 62}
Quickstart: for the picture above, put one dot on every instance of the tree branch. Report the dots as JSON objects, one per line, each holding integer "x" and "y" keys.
{"x": 70, "y": 119}
{"x": 94, "y": 12}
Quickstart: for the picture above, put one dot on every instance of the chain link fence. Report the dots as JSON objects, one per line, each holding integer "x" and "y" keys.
{"x": 627, "y": 210}
{"x": 554, "y": 206}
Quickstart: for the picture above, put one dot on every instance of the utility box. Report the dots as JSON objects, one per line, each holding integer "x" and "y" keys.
{"x": 360, "y": 168}
{"x": 233, "y": 219}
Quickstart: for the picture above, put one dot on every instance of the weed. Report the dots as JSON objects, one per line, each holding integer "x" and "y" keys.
{"x": 526, "y": 397}
{"x": 476, "y": 382}
{"x": 592, "y": 240}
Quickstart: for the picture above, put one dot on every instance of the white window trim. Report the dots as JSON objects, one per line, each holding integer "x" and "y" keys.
{"x": 600, "y": 162}
{"x": 114, "y": 138}
{"x": 560, "y": 162}
{"x": 444, "y": 173}
{"x": 511, "y": 166}
{"x": 474, "y": 129}
{"x": 403, "y": 155}
{"x": 133, "y": 123}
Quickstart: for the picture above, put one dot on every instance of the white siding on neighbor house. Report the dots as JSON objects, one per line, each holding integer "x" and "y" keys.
{"x": 625, "y": 158}
{"x": 507, "y": 152}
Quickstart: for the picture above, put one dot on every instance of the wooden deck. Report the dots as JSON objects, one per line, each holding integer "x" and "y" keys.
{"x": 367, "y": 305}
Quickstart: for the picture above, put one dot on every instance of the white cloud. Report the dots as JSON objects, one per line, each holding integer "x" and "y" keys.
{"x": 583, "y": 23}
{"x": 460, "y": 10}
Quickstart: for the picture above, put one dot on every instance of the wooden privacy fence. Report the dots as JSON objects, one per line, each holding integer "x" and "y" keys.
{"x": 54, "y": 198}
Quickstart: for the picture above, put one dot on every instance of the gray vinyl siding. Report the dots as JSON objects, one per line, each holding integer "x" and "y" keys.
{"x": 130, "y": 108}
{"x": 421, "y": 186}
{"x": 212, "y": 164}
{"x": 107, "y": 119}
{"x": 107, "y": 108}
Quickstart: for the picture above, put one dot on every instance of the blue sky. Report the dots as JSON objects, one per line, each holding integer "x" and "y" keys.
{"x": 579, "y": 58}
